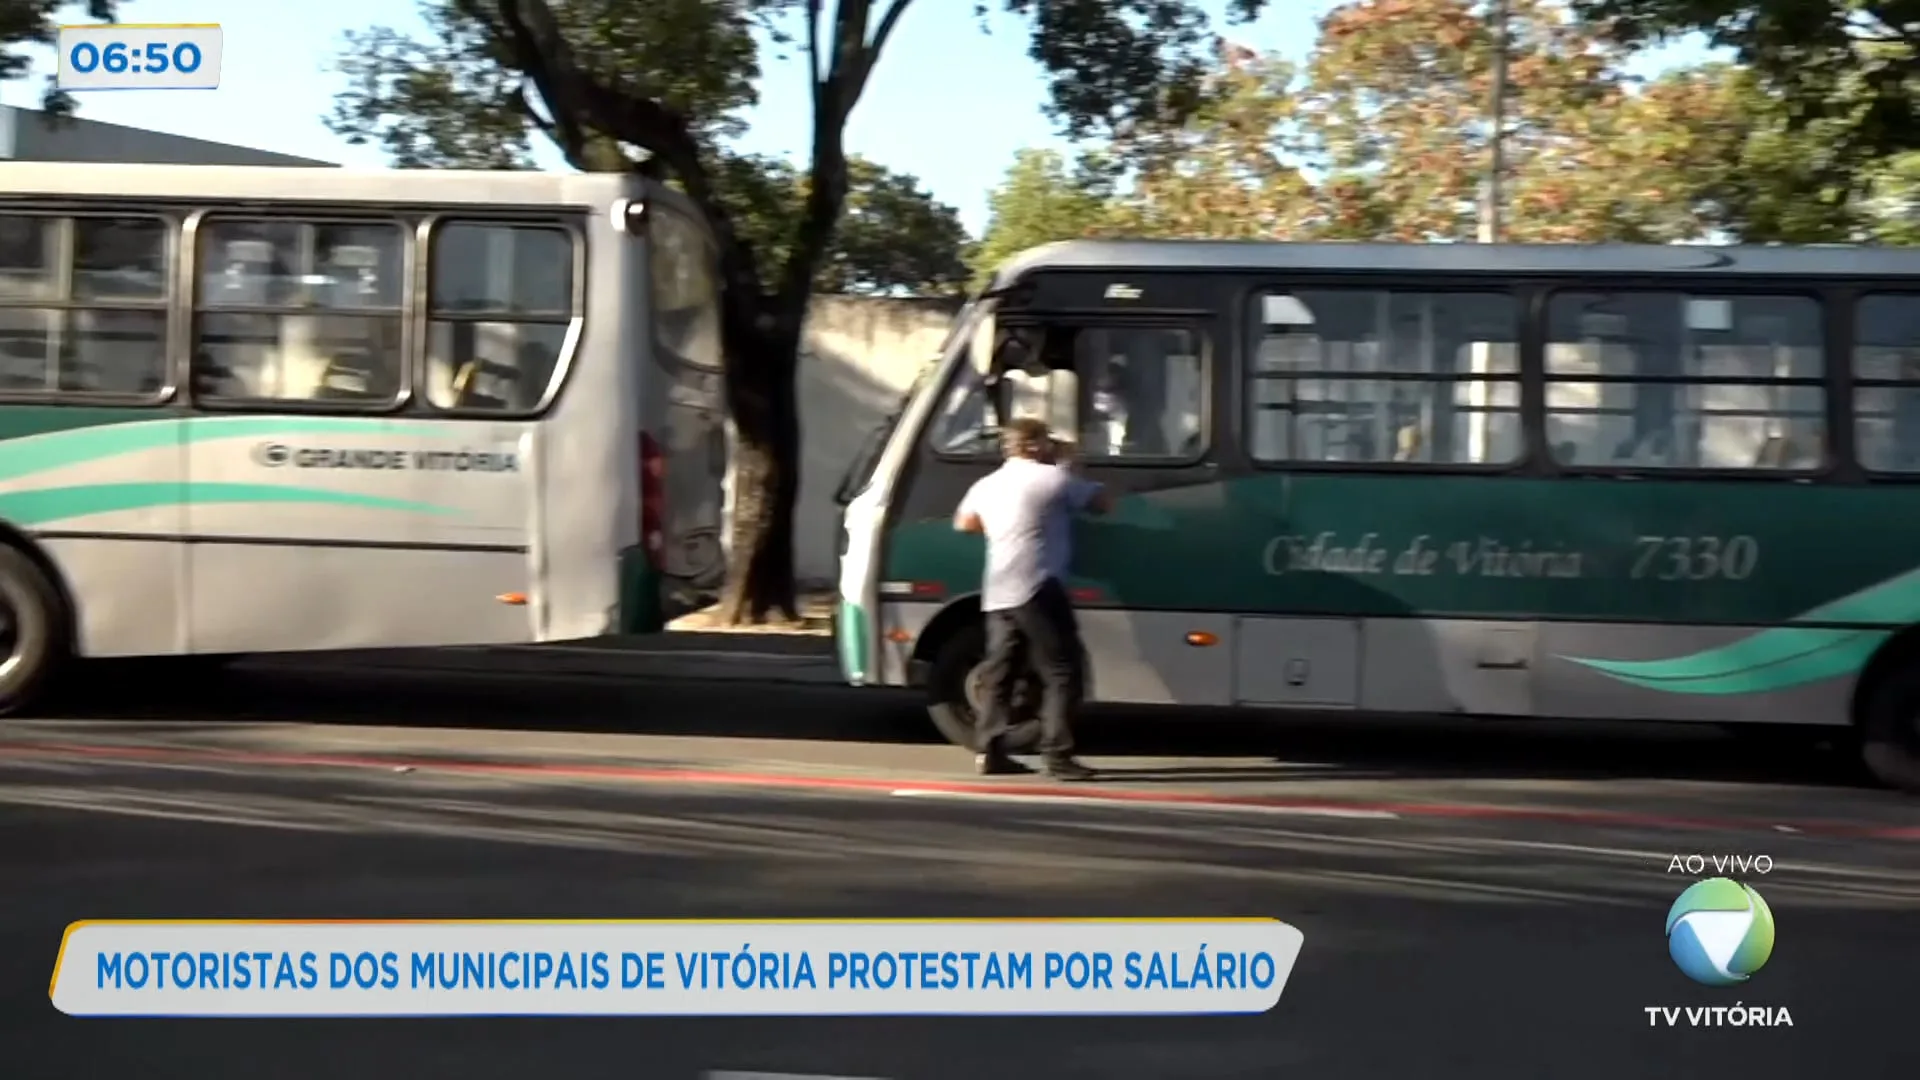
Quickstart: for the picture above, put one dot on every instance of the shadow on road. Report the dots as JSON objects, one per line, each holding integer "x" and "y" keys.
{"x": 1300, "y": 749}
{"x": 1443, "y": 933}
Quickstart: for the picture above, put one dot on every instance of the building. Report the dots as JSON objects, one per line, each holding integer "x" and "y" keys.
{"x": 30, "y": 135}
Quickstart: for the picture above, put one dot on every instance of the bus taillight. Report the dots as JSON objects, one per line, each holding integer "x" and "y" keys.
{"x": 653, "y": 498}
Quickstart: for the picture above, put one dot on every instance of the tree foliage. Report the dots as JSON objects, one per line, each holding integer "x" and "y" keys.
{"x": 1232, "y": 170}
{"x": 34, "y": 22}
{"x": 1851, "y": 66}
{"x": 893, "y": 236}
{"x": 1044, "y": 198}
{"x": 1894, "y": 200}
{"x": 659, "y": 85}
{"x": 1384, "y": 134}
{"x": 1589, "y": 154}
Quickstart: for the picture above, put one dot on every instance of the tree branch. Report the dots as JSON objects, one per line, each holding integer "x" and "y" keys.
{"x": 543, "y": 53}
{"x": 564, "y": 134}
{"x": 814, "y": 77}
{"x": 834, "y": 95}
{"x": 887, "y": 22}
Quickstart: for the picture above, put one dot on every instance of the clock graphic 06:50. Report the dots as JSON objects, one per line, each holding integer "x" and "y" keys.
{"x": 139, "y": 56}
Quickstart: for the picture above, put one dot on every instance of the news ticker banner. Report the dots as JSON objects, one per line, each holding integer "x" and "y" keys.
{"x": 982, "y": 967}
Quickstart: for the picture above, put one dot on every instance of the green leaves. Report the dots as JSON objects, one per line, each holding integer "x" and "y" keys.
{"x": 36, "y": 22}
{"x": 893, "y": 235}
{"x": 1042, "y": 200}
{"x": 1851, "y": 67}
{"x": 460, "y": 99}
{"x": 662, "y": 84}
{"x": 445, "y": 103}
{"x": 1384, "y": 135}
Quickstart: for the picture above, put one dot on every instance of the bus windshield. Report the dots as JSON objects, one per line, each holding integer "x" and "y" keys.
{"x": 860, "y": 469}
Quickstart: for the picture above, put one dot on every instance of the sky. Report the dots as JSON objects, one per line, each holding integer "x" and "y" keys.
{"x": 947, "y": 103}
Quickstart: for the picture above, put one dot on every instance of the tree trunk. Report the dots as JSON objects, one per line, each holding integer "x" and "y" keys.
{"x": 764, "y": 396}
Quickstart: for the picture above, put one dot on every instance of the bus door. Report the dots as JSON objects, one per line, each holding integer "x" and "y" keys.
{"x": 329, "y": 506}
{"x": 1138, "y": 425}
{"x": 1131, "y": 396}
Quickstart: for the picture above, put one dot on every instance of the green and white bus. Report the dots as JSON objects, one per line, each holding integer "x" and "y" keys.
{"x": 248, "y": 410}
{"x": 1604, "y": 482}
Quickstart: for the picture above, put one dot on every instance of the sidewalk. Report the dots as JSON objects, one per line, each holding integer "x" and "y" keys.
{"x": 692, "y": 648}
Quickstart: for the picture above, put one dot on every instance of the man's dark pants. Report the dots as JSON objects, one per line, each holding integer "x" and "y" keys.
{"x": 1044, "y": 632}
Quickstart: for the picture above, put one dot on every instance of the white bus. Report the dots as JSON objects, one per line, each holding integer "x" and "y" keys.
{"x": 267, "y": 409}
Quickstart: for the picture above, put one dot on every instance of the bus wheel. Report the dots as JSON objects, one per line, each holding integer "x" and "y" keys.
{"x": 957, "y": 692}
{"x": 33, "y": 641}
{"x": 1890, "y": 730}
{"x": 1798, "y": 738}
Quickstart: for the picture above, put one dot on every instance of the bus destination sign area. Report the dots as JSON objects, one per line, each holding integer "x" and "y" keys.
{"x": 280, "y": 455}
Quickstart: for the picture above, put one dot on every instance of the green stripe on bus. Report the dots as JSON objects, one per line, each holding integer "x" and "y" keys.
{"x": 1815, "y": 576}
{"x": 1838, "y": 653}
{"x": 852, "y": 634}
{"x": 1784, "y": 657}
{"x": 26, "y": 455}
{"x": 1767, "y": 649}
{"x": 48, "y": 505}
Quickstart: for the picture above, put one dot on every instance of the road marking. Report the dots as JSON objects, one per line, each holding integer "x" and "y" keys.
{"x": 135, "y": 754}
{"x": 712, "y": 1074}
{"x": 1084, "y": 800}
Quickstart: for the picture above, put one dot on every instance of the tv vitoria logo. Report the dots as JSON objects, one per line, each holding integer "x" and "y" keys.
{"x": 1719, "y": 932}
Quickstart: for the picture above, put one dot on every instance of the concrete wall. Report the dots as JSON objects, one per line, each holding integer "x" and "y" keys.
{"x": 860, "y": 357}
{"x": 28, "y": 135}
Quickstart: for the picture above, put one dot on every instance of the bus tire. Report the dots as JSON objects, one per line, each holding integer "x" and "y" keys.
{"x": 1783, "y": 737}
{"x": 1890, "y": 730}
{"x": 955, "y": 690}
{"x": 33, "y": 632}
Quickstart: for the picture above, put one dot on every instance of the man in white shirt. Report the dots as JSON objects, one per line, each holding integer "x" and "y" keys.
{"x": 1025, "y": 509}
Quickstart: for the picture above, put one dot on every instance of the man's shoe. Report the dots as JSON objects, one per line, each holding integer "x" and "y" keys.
{"x": 998, "y": 764}
{"x": 1067, "y": 768}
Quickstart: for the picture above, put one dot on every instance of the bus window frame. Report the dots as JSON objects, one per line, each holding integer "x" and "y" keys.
{"x": 1252, "y": 326}
{"x": 667, "y": 360}
{"x": 1832, "y": 462}
{"x": 424, "y": 314}
{"x": 1849, "y": 383}
{"x": 169, "y": 305}
{"x": 298, "y": 214}
{"x": 1201, "y": 324}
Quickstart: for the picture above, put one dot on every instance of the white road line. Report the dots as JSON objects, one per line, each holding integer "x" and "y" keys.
{"x": 726, "y": 1075}
{"x": 1084, "y": 800}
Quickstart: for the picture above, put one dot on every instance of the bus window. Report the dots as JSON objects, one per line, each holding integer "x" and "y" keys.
{"x": 299, "y": 311}
{"x": 100, "y": 324}
{"x": 686, "y": 292}
{"x": 1627, "y": 381}
{"x": 1372, "y": 377}
{"x": 1143, "y": 390}
{"x": 1119, "y": 392}
{"x": 1886, "y": 373}
{"x": 500, "y": 303}
{"x": 968, "y": 423}
{"x": 29, "y": 259}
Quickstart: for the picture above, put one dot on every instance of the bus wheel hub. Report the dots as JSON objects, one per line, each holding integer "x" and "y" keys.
{"x": 1026, "y": 695}
{"x": 977, "y": 691}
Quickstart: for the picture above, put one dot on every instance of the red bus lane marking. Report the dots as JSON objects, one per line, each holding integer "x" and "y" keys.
{"x": 1027, "y": 792}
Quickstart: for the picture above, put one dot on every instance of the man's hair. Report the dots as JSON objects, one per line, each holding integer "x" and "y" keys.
{"x": 1026, "y": 438}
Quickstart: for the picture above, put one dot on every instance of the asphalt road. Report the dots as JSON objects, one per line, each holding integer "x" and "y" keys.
{"x": 1480, "y": 901}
